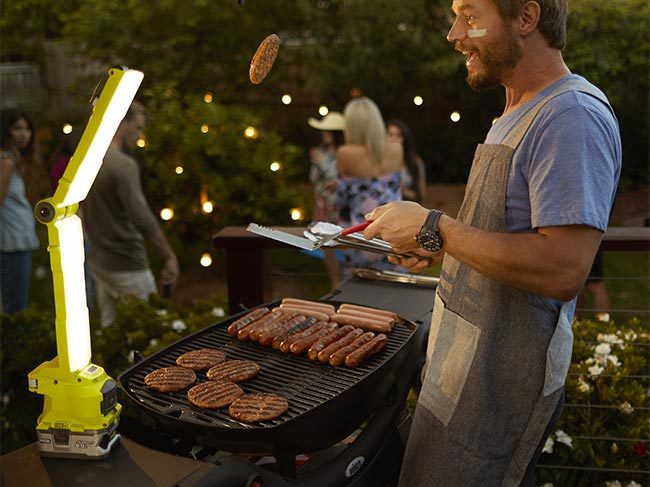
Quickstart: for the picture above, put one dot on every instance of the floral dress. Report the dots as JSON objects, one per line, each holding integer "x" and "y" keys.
{"x": 356, "y": 197}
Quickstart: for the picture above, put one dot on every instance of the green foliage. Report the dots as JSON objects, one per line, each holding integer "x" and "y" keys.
{"x": 605, "y": 413}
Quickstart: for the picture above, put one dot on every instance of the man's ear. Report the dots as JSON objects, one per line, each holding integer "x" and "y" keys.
{"x": 528, "y": 19}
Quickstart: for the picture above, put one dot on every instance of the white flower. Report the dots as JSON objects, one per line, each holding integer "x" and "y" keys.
{"x": 614, "y": 483}
{"x": 630, "y": 336}
{"x": 589, "y": 361}
{"x": 626, "y": 408}
{"x": 161, "y": 312}
{"x": 6, "y": 399}
{"x": 614, "y": 360}
{"x": 595, "y": 370}
{"x": 603, "y": 349}
{"x": 548, "y": 446}
{"x": 583, "y": 386}
{"x": 218, "y": 312}
{"x": 633, "y": 484}
{"x": 613, "y": 339}
{"x": 548, "y": 484}
{"x": 178, "y": 325}
{"x": 153, "y": 342}
{"x": 562, "y": 437}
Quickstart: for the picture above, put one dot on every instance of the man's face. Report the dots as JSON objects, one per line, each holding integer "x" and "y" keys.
{"x": 491, "y": 55}
{"x": 132, "y": 130}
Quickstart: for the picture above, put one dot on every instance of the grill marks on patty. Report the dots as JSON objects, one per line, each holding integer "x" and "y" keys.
{"x": 234, "y": 370}
{"x": 260, "y": 406}
{"x": 214, "y": 394}
{"x": 170, "y": 379}
{"x": 201, "y": 359}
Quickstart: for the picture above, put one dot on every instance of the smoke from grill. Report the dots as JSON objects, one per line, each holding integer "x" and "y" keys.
{"x": 264, "y": 58}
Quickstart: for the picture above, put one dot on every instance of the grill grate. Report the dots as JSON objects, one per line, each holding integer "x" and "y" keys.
{"x": 305, "y": 384}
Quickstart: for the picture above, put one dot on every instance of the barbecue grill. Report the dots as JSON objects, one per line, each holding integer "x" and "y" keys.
{"x": 326, "y": 404}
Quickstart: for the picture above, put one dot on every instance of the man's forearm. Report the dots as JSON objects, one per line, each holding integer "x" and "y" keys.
{"x": 553, "y": 261}
{"x": 162, "y": 246}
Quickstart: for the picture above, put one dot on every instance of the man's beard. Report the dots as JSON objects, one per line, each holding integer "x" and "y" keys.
{"x": 497, "y": 58}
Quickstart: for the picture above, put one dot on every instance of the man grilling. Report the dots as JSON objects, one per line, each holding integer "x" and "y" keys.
{"x": 537, "y": 202}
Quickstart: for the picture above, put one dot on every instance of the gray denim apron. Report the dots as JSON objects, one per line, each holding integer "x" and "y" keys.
{"x": 497, "y": 357}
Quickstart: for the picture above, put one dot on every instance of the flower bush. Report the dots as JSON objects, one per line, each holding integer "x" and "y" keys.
{"x": 602, "y": 436}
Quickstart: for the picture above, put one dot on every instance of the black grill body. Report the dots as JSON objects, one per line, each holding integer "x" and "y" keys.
{"x": 325, "y": 403}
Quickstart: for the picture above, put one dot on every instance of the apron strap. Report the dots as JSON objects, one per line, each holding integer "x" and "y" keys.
{"x": 517, "y": 134}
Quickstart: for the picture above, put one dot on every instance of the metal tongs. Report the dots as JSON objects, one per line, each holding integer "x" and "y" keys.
{"x": 321, "y": 234}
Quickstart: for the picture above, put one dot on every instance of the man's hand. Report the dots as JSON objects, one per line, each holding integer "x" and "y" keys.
{"x": 397, "y": 223}
{"x": 170, "y": 271}
{"x": 417, "y": 263}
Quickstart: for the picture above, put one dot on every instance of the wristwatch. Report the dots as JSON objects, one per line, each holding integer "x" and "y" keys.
{"x": 429, "y": 237}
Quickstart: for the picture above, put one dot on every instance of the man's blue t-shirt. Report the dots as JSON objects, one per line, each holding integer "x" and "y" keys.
{"x": 566, "y": 169}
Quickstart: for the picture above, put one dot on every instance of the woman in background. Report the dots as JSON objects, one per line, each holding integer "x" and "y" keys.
{"x": 369, "y": 168}
{"x": 414, "y": 174}
{"x": 17, "y": 225}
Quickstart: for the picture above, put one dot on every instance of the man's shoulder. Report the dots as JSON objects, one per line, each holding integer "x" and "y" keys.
{"x": 119, "y": 161}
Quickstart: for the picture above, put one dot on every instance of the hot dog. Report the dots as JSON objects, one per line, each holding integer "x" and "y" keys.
{"x": 326, "y": 308}
{"x": 338, "y": 357}
{"x": 327, "y": 339}
{"x": 354, "y": 358}
{"x": 363, "y": 314}
{"x": 306, "y": 311}
{"x": 255, "y": 331}
{"x": 371, "y": 311}
{"x": 324, "y": 354}
{"x": 279, "y": 338}
{"x": 246, "y": 320}
{"x": 265, "y": 335}
{"x": 315, "y": 328}
{"x": 302, "y": 344}
{"x": 377, "y": 326}
{"x": 243, "y": 333}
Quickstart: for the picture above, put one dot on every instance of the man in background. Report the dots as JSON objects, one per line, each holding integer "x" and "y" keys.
{"x": 118, "y": 220}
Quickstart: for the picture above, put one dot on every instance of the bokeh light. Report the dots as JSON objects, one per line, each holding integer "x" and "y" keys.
{"x": 206, "y": 260}
{"x": 250, "y": 133}
{"x": 207, "y": 97}
{"x": 455, "y": 117}
{"x": 418, "y": 100}
{"x": 166, "y": 214}
{"x": 286, "y": 99}
{"x": 296, "y": 214}
{"x": 67, "y": 128}
{"x": 205, "y": 129}
{"x": 275, "y": 166}
{"x": 207, "y": 207}
{"x": 179, "y": 170}
{"x": 323, "y": 110}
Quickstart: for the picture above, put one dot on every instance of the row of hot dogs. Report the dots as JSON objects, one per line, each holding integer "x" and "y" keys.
{"x": 346, "y": 336}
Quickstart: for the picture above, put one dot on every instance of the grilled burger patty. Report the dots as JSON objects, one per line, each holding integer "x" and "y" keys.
{"x": 201, "y": 359}
{"x": 170, "y": 379}
{"x": 259, "y": 406}
{"x": 214, "y": 394}
{"x": 234, "y": 370}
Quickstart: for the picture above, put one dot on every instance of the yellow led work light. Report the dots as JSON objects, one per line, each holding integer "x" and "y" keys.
{"x": 80, "y": 412}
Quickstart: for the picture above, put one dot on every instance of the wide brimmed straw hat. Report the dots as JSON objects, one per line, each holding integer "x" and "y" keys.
{"x": 331, "y": 121}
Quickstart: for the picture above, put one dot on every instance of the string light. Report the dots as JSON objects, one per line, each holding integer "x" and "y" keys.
{"x": 250, "y": 133}
{"x": 418, "y": 100}
{"x": 286, "y": 99}
{"x": 323, "y": 110}
{"x": 207, "y": 207}
{"x": 205, "y": 129}
{"x": 141, "y": 142}
{"x": 296, "y": 214}
{"x": 207, "y": 97}
{"x": 455, "y": 117}
{"x": 179, "y": 170}
{"x": 275, "y": 166}
{"x": 206, "y": 260}
{"x": 166, "y": 214}
{"x": 67, "y": 128}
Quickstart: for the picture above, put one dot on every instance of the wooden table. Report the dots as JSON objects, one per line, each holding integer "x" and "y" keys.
{"x": 245, "y": 257}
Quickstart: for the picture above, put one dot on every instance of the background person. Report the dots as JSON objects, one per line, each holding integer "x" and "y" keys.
{"x": 17, "y": 224}
{"x": 414, "y": 178}
{"x": 118, "y": 220}
{"x": 323, "y": 175}
{"x": 537, "y": 202}
{"x": 369, "y": 168}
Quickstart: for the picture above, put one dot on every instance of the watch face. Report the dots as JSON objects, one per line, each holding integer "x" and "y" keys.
{"x": 429, "y": 240}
